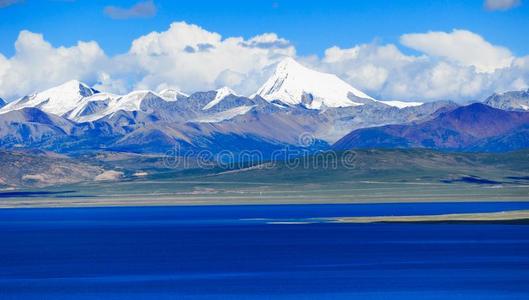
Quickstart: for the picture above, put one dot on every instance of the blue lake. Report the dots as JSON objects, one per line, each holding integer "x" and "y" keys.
{"x": 228, "y": 252}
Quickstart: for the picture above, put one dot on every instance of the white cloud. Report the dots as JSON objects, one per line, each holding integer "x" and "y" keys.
{"x": 38, "y": 65}
{"x": 366, "y": 66}
{"x": 175, "y": 57}
{"x": 156, "y": 59}
{"x": 143, "y": 9}
{"x": 462, "y": 46}
{"x": 385, "y": 72}
{"x": 501, "y": 4}
{"x": 191, "y": 58}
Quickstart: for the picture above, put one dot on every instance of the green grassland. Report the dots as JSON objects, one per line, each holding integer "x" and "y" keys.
{"x": 354, "y": 177}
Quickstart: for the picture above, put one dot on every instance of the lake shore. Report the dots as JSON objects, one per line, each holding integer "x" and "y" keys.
{"x": 517, "y": 215}
{"x": 66, "y": 201}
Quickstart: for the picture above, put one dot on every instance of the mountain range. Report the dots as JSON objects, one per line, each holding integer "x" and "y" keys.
{"x": 476, "y": 127}
{"x": 514, "y": 100}
{"x": 294, "y": 102}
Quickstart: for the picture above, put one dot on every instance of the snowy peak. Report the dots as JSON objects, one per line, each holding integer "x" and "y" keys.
{"x": 224, "y": 92}
{"x": 172, "y": 94}
{"x": 58, "y": 100}
{"x": 130, "y": 102}
{"x": 400, "y": 104}
{"x": 100, "y": 105}
{"x": 72, "y": 89}
{"x": 89, "y": 108}
{"x": 75, "y": 86}
{"x": 219, "y": 96}
{"x": 513, "y": 100}
{"x": 295, "y": 84}
{"x": 225, "y": 115}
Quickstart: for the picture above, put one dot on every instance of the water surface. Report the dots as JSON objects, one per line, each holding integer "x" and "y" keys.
{"x": 235, "y": 252}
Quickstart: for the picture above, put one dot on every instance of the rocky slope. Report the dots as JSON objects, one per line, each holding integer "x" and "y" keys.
{"x": 514, "y": 100}
{"x": 37, "y": 169}
{"x": 476, "y": 127}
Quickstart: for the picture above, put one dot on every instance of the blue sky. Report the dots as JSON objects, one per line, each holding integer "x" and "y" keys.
{"x": 311, "y": 26}
{"x": 398, "y": 49}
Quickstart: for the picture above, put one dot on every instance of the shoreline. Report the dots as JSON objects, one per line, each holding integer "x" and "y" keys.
{"x": 132, "y": 202}
{"x": 87, "y": 202}
{"x": 515, "y": 215}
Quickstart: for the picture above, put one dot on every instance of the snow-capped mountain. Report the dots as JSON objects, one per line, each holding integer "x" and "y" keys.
{"x": 58, "y": 100}
{"x": 225, "y": 115}
{"x": 220, "y": 94}
{"x": 400, "y": 104}
{"x": 295, "y": 84}
{"x": 172, "y": 94}
{"x": 100, "y": 105}
{"x": 515, "y": 100}
{"x": 293, "y": 101}
{"x": 291, "y": 85}
{"x": 78, "y": 102}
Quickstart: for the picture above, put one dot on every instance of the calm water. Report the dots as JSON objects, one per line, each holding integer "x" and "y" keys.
{"x": 231, "y": 252}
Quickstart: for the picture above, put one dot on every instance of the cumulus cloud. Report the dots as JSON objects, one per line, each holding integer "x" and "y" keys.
{"x": 461, "y": 46}
{"x": 368, "y": 66}
{"x": 501, "y": 4}
{"x": 385, "y": 72}
{"x": 38, "y": 65}
{"x": 185, "y": 56}
{"x": 195, "y": 59}
{"x": 144, "y": 9}
{"x": 190, "y": 58}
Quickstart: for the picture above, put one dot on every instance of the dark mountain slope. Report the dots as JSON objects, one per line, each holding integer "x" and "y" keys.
{"x": 473, "y": 127}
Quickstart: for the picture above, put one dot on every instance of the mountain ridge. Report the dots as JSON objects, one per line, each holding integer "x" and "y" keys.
{"x": 58, "y": 100}
{"x": 512, "y": 100}
{"x": 295, "y": 84}
{"x": 149, "y": 121}
{"x": 467, "y": 128}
